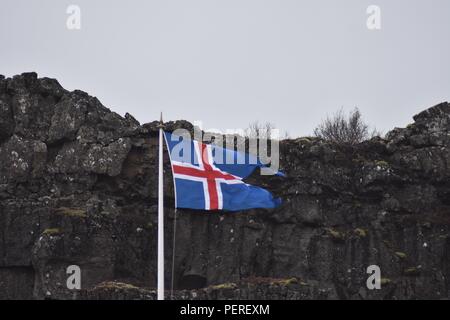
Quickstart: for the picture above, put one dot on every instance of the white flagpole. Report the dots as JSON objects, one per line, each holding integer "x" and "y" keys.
{"x": 160, "y": 216}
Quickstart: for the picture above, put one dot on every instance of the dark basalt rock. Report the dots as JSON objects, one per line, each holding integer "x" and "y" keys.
{"x": 78, "y": 186}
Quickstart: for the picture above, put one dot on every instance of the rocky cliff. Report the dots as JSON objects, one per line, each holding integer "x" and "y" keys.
{"x": 78, "y": 186}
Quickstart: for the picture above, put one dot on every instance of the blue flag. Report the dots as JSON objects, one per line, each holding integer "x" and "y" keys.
{"x": 208, "y": 177}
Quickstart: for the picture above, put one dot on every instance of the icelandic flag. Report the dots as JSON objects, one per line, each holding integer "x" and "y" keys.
{"x": 205, "y": 180}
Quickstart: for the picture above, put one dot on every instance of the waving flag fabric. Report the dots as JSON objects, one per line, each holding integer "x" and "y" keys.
{"x": 202, "y": 182}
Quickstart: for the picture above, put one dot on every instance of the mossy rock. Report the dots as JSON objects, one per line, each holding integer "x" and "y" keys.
{"x": 304, "y": 140}
{"x": 362, "y": 233}
{"x": 382, "y": 163}
{"x": 224, "y": 286}
{"x": 51, "y": 232}
{"x": 412, "y": 271}
{"x": 401, "y": 255}
{"x": 285, "y": 282}
{"x": 116, "y": 285}
{"x": 71, "y": 212}
{"x": 335, "y": 235}
{"x": 273, "y": 281}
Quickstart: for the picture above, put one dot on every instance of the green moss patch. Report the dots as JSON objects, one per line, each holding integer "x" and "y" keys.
{"x": 71, "y": 212}
{"x": 335, "y": 235}
{"x": 51, "y": 232}
{"x": 224, "y": 286}
{"x": 401, "y": 255}
{"x": 115, "y": 285}
{"x": 362, "y": 233}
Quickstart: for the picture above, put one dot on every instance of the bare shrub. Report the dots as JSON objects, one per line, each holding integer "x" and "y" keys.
{"x": 340, "y": 129}
{"x": 258, "y": 130}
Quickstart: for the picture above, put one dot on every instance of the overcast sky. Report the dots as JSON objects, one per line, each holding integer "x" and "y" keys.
{"x": 230, "y": 62}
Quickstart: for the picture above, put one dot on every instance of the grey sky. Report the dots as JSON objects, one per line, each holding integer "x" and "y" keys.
{"x": 230, "y": 62}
